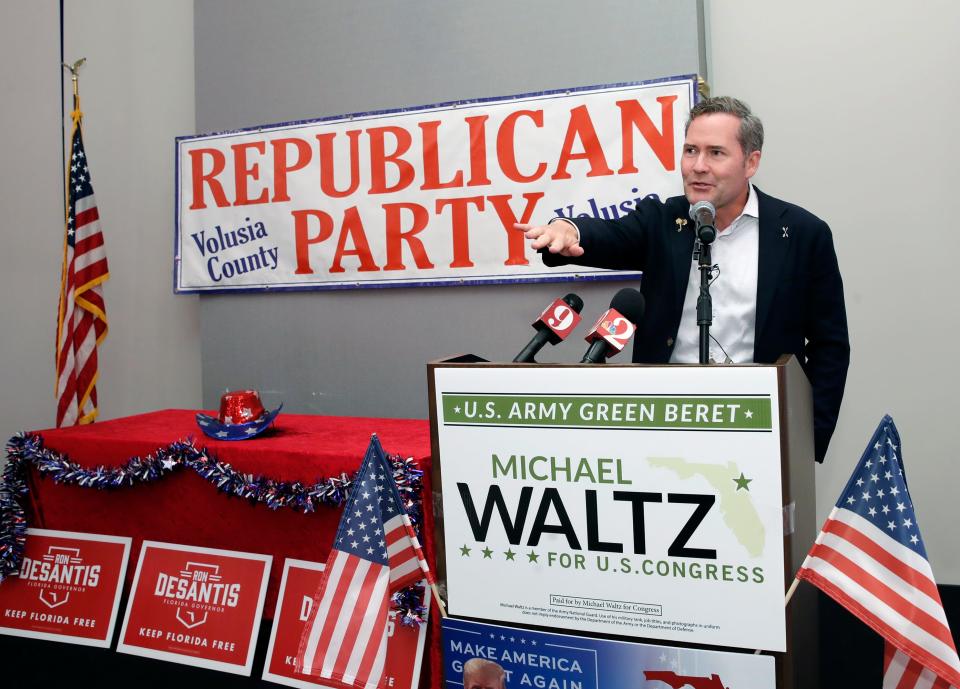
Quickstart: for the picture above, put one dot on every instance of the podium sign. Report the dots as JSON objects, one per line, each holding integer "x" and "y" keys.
{"x": 628, "y": 500}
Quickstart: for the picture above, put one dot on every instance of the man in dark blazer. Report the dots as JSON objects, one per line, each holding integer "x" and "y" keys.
{"x": 791, "y": 304}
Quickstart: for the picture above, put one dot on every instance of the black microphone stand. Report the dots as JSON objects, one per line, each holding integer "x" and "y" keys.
{"x": 705, "y": 236}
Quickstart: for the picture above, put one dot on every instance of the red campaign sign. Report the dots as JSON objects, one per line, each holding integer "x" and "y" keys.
{"x": 67, "y": 589}
{"x": 299, "y": 583}
{"x": 196, "y": 606}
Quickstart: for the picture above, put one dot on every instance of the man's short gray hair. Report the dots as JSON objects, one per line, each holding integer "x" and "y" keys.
{"x": 751, "y": 128}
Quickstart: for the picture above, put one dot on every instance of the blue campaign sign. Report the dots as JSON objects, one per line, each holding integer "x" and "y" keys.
{"x": 491, "y": 656}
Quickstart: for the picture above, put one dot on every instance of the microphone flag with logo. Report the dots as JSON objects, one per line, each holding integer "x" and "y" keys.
{"x": 870, "y": 558}
{"x": 556, "y": 322}
{"x": 375, "y": 554}
{"x": 616, "y": 325}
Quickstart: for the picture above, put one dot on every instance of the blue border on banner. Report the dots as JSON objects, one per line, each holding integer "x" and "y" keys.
{"x": 544, "y": 660}
{"x": 451, "y": 282}
{"x": 451, "y": 105}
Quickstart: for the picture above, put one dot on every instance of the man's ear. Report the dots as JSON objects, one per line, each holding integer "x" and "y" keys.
{"x": 752, "y": 163}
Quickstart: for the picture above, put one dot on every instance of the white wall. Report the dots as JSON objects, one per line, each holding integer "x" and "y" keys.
{"x": 31, "y": 223}
{"x": 859, "y": 101}
{"x": 137, "y": 91}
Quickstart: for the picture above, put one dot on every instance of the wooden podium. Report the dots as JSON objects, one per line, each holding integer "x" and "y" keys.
{"x": 665, "y": 504}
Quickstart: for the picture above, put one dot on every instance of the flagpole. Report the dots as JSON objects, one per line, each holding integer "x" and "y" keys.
{"x": 793, "y": 587}
{"x": 436, "y": 597}
{"x": 63, "y": 306}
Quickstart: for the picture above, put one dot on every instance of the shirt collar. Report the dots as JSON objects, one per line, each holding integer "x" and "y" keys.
{"x": 753, "y": 204}
{"x": 751, "y": 209}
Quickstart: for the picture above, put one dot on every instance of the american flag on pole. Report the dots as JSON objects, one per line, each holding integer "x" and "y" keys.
{"x": 870, "y": 558}
{"x": 81, "y": 316}
{"x": 376, "y": 552}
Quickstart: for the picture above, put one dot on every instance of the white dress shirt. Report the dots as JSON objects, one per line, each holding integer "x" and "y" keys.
{"x": 733, "y": 291}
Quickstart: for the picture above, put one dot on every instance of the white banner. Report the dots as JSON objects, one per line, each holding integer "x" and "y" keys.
{"x": 420, "y": 196}
{"x": 635, "y": 501}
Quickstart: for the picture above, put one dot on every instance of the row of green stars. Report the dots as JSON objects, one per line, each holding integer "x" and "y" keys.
{"x": 508, "y": 554}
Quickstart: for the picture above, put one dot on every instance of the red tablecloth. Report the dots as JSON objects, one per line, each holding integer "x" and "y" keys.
{"x": 184, "y": 508}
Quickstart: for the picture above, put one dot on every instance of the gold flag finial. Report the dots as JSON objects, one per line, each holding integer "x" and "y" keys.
{"x": 74, "y": 68}
{"x": 703, "y": 88}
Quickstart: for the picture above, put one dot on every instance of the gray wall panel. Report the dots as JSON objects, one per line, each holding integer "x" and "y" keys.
{"x": 364, "y": 352}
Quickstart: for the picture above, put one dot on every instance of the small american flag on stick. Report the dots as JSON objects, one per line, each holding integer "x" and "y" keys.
{"x": 870, "y": 558}
{"x": 376, "y": 552}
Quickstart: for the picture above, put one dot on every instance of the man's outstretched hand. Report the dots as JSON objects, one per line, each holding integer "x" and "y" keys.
{"x": 560, "y": 237}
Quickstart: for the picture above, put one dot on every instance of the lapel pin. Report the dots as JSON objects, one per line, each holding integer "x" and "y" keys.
{"x": 681, "y": 223}
{"x": 786, "y": 232}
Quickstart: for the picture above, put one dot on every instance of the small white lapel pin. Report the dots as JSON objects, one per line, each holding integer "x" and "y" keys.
{"x": 786, "y": 232}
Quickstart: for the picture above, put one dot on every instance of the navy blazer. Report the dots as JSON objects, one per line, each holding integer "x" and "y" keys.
{"x": 800, "y": 307}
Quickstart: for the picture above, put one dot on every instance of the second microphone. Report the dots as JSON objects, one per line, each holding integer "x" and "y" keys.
{"x": 615, "y": 326}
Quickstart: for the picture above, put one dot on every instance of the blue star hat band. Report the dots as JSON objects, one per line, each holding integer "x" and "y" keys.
{"x": 241, "y": 417}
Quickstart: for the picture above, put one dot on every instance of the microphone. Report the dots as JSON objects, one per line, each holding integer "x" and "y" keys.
{"x": 615, "y": 326}
{"x": 704, "y": 213}
{"x": 556, "y": 322}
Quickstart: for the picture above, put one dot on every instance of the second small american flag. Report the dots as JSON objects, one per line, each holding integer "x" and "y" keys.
{"x": 375, "y": 553}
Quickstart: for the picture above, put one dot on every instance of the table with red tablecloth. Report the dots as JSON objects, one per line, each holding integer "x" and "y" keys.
{"x": 183, "y": 507}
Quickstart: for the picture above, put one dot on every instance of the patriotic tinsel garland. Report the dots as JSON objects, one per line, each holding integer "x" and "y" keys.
{"x": 27, "y": 449}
